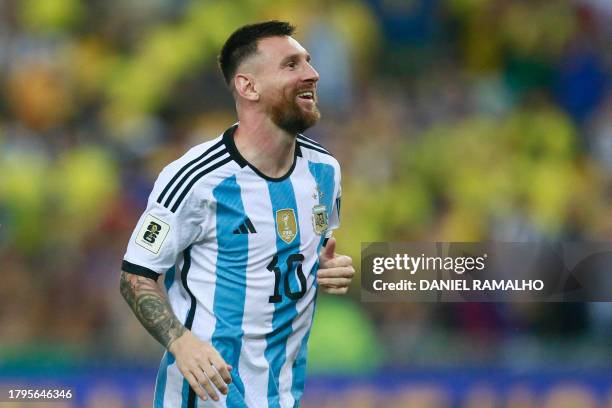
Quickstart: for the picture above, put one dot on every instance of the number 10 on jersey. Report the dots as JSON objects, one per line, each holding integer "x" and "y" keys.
{"x": 293, "y": 259}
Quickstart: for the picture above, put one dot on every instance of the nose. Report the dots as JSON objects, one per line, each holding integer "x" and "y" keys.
{"x": 311, "y": 74}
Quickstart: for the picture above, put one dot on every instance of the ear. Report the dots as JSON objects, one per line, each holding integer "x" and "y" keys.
{"x": 245, "y": 87}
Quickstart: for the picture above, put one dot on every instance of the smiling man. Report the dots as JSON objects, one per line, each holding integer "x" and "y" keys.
{"x": 241, "y": 226}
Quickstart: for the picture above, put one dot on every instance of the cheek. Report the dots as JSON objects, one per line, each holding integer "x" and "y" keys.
{"x": 277, "y": 89}
{"x": 280, "y": 94}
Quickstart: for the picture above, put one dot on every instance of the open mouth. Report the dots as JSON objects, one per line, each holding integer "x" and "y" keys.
{"x": 308, "y": 95}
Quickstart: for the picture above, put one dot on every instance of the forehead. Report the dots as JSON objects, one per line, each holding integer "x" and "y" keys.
{"x": 276, "y": 48}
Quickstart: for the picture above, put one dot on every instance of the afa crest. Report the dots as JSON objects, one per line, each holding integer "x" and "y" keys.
{"x": 286, "y": 225}
{"x": 319, "y": 219}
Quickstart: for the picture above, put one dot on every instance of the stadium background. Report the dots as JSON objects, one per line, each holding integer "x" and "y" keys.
{"x": 454, "y": 120}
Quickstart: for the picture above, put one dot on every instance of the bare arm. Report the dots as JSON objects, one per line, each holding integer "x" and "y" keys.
{"x": 151, "y": 307}
{"x": 198, "y": 361}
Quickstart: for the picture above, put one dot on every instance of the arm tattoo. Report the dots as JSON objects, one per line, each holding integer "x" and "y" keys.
{"x": 151, "y": 308}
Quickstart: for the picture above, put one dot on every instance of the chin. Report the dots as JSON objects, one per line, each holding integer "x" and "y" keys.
{"x": 293, "y": 118}
{"x": 310, "y": 118}
{"x": 295, "y": 125}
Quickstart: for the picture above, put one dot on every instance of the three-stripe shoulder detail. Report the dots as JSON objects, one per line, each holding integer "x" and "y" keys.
{"x": 308, "y": 143}
{"x": 182, "y": 182}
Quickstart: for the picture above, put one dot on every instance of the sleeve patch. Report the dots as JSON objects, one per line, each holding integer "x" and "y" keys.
{"x": 152, "y": 234}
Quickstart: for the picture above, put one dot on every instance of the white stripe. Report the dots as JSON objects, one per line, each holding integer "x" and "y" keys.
{"x": 203, "y": 285}
{"x": 202, "y": 282}
{"x": 178, "y": 297}
{"x": 303, "y": 183}
{"x": 174, "y": 387}
{"x": 258, "y": 311}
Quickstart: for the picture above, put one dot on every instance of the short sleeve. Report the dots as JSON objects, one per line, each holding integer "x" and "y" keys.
{"x": 161, "y": 234}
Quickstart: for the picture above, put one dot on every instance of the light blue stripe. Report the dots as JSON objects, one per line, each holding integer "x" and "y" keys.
{"x": 230, "y": 287}
{"x": 324, "y": 177}
{"x": 299, "y": 365}
{"x": 185, "y": 394}
{"x": 282, "y": 197}
{"x": 169, "y": 278}
{"x": 162, "y": 375}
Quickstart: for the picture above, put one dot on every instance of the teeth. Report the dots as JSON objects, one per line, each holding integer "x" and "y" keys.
{"x": 307, "y": 93}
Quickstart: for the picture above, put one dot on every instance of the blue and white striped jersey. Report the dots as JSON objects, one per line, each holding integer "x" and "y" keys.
{"x": 240, "y": 253}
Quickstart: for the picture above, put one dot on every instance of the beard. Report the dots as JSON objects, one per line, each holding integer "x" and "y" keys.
{"x": 288, "y": 115}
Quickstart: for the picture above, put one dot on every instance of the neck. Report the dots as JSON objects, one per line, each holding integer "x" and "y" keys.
{"x": 264, "y": 145}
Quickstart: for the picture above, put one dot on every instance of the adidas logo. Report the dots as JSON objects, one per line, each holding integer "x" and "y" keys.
{"x": 247, "y": 227}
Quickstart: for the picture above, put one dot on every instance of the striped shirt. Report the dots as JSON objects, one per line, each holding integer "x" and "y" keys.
{"x": 240, "y": 253}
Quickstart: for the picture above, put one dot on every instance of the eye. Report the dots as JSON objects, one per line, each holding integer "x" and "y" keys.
{"x": 292, "y": 64}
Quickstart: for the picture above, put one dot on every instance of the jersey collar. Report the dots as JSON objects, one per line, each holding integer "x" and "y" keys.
{"x": 228, "y": 139}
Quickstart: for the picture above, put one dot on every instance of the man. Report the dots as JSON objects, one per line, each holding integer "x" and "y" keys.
{"x": 239, "y": 225}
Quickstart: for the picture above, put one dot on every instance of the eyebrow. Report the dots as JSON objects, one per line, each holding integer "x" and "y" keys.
{"x": 294, "y": 57}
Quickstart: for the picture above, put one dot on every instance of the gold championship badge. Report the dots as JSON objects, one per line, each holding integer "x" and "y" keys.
{"x": 286, "y": 225}
{"x": 319, "y": 219}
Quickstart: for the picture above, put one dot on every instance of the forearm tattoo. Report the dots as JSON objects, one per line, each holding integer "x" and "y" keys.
{"x": 151, "y": 307}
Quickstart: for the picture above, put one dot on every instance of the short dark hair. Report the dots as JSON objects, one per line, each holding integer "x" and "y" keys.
{"x": 243, "y": 43}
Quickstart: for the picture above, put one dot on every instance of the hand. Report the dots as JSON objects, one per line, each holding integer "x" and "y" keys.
{"x": 335, "y": 271}
{"x": 200, "y": 363}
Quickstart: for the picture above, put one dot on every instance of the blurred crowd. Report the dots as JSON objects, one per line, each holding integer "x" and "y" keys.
{"x": 453, "y": 120}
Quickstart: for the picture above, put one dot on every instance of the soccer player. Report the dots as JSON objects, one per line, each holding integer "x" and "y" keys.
{"x": 241, "y": 226}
